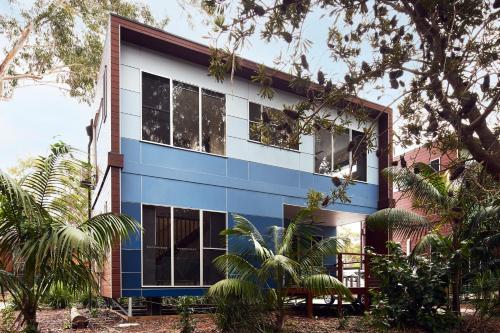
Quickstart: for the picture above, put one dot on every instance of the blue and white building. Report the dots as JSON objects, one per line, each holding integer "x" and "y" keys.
{"x": 180, "y": 152}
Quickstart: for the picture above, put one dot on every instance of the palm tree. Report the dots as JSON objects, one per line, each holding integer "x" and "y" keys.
{"x": 44, "y": 229}
{"x": 265, "y": 268}
{"x": 442, "y": 202}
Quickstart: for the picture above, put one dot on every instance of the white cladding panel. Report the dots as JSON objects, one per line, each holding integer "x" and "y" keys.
{"x": 238, "y": 93}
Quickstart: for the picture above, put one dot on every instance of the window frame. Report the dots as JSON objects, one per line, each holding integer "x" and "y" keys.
{"x": 337, "y": 174}
{"x": 172, "y": 273}
{"x": 200, "y": 129}
{"x": 251, "y": 121}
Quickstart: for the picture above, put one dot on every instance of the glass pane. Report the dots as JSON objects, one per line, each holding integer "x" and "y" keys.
{"x": 156, "y": 246}
{"x": 340, "y": 152}
{"x": 213, "y": 122}
{"x": 323, "y": 151}
{"x": 254, "y": 112}
{"x": 254, "y": 131}
{"x": 186, "y": 247}
{"x": 155, "y": 92}
{"x": 186, "y": 115}
{"x": 359, "y": 157}
{"x": 213, "y": 224}
{"x": 155, "y": 125}
{"x": 211, "y": 275}
{"x": 435, "y": 165}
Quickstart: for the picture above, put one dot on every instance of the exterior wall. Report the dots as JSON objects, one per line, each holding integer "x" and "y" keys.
{"x": 154, "y": 174}
{"x": 420, "y": 155}
{"x": 253, "y": 180}
{"x": 238, "y": 93}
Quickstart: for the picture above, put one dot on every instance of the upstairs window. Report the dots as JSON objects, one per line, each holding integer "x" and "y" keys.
{"x": 435, "y": 164}
{"x": 332, "y": 155}
{"x": 279, "y": 128}
{"x": 155, "y": 108}
{"x": 198, "y": 119}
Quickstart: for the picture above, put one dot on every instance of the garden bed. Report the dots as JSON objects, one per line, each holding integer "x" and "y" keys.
{"x": 57, "y": 321}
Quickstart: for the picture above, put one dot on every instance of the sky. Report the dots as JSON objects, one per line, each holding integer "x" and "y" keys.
{"x": 37, "y": 116}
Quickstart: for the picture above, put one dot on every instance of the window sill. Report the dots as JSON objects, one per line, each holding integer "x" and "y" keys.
{"x": 181, "y": 148}
{"x": 342, "y": 178}
{"x": 275, "y": 147}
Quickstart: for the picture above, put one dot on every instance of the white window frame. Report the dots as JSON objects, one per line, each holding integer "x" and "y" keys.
{"x": 250, "y": 121}
{"x": 171, "y": 111}
{"x": 338, "y": 173}
{"x": 172, "y": 278}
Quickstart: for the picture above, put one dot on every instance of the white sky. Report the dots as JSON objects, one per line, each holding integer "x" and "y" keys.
{"x": 37, "y": 116}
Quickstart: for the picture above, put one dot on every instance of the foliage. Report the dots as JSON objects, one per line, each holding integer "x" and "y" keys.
{"x": 58, "y": 297}
{"x": 60, "y": 42}
{"x": 468, "y": 205}
{"x": 44, "y": 228}
{"x": 412, "y": 291}
{"x": 263, "y": 268}
{"x": 233, "y": 314}
{"x": 440, "y": 57}
{"x": 185, "y": 310}
{"x": 7, "y": 319}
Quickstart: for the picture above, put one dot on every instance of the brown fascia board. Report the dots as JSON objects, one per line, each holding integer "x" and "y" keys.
{"x": 161, "y": 41}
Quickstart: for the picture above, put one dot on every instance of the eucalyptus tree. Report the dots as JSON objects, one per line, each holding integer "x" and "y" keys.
{"x": 59, "y": 42}
{"x": 440, "y": 56}
{"x": 468, "y": 206}
{"x": 45, "y": 232}
{"x": 263, "y": 268}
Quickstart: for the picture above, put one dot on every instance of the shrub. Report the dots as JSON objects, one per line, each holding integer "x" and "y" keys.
{"x": 185, "y": 309}
{"x": 412, "y": 291}
{"x": 237, "y": 315}
{"x": 58, "y": 297}
{"x": 7, "y": 319}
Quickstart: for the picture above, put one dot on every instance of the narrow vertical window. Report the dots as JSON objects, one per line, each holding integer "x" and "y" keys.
{"x": 156, "y": 246}
{"x": 214, "y": 245}
{"x": 341, "y": 152}
{"x": 255, "y": 118}
{"x": 105, "y": 94}
{"x": 186, "y": 108}
{"x": 359, "y": 156}
{"x": 213, "y": 125}
{"x": 323, "y": 152}
{"x": 186, "y": 247}
{"x": 155, "y": 108}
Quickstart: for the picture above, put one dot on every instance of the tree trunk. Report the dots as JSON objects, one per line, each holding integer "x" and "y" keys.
{"x": 280, "y": 320}
{"x": 29, "y": 314}
{"x": 455, "y": 292}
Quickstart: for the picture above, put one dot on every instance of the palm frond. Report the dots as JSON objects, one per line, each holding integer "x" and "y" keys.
{"x": 235, "y": 266}
{"x": 313, "y": 257}
{"x": 255, "y": 244}
{"x": 408, "y": 222}
{"x": 235, "y": 288}
{"x": 326, "y": 284}
{"x": 430, "y": 241}
{"x": 279, "y": 264}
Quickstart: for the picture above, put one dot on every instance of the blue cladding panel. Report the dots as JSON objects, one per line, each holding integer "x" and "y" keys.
{"x": 254, "y": 203}
{"x": 237, "y": 168}
{"x": 131, "y": 293}
{"x": 131, "y": 187}
{"x": 263, "y": 173}
{"x": 131, "y": 261}
{"x": 131, "y": 150}
{"x": 131, "y": 280}
{"x": 183, "y": 160}
{"x": 133, "y": 209}
{"x": 306, "y": 180}
{"x": 183, "y": 194}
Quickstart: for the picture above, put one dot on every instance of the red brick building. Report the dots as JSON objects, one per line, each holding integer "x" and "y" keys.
{"x": 440, "y": 162}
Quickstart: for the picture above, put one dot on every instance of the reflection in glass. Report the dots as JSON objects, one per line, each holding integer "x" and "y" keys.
{"x": 211, "y": 275}
{"x": 213, "y": 122}
{"x": 340, "y": 152}
{"x": 186, "y": 124}
{"x": 156, "y": 246}
{"x": 155, "y": 108}
{"x": 323, "y": 151}
{"x": 359, "y": 156}
{"x": 213, "y": 224}
{"x": 186, "y": 247}
{"x": 254, "y": 123}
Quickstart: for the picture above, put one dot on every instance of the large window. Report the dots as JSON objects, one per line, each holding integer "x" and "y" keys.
{"x": 155, "y": 108}
{"x": 196, "y": 240}
{"x": 278, "y": 130}
{"x": 333, "y": 157}
{"x": 198, "y": 119}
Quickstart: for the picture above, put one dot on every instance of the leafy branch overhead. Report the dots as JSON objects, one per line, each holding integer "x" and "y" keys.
{"x": 442, "y": 57}
{"x": 60, "y": 43}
